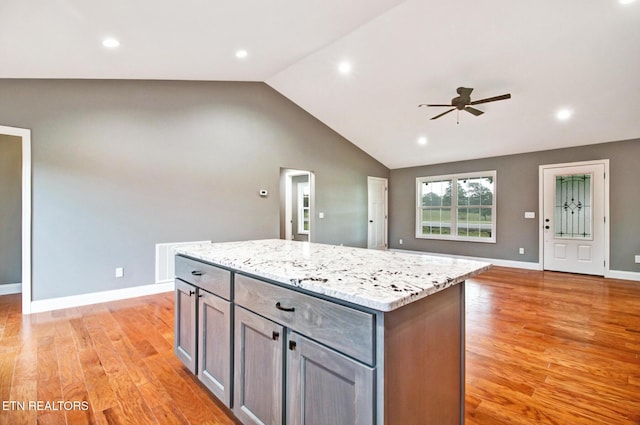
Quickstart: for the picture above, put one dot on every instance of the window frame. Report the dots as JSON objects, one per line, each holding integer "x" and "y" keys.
{"x": 455, "y": 206}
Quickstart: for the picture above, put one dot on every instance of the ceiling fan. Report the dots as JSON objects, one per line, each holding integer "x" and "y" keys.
{"x": 463, "y": 102}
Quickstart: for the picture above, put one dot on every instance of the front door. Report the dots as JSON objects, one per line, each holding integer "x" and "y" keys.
{"x": 574, "y": 218}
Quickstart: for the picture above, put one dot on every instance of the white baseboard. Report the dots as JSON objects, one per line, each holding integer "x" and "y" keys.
{"x": 99, "y": 297}
{"x": 10, "y": 288}
{"x": 611, "y": 274}
{"x": 620, "y": 274}
{"x": 495, "y": 261}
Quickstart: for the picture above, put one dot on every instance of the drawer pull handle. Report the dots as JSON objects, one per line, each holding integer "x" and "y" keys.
{"x": 196, "y": 273}
{"x": 279, "y": 307}
{"x": 275, "y": 335}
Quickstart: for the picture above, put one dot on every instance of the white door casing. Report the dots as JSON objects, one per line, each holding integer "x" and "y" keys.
{"x": 377, "y": 216}
{"x": 287, "y": 175}
{"x": 25, "y": 134}
{"x": 574, "y": 207}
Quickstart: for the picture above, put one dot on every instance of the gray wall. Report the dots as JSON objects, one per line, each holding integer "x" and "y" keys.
{"x": 119, "y": 166}
{"x": 10, "y": 209}
{"x": 517, "y": 192}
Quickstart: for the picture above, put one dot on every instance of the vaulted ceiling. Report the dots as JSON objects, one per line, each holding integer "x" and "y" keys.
{"x": 583, "y": 56}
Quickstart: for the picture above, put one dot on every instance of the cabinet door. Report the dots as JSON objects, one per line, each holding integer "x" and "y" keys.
{"x": 186, "y": 307}
{"x": 257, "y": 369}
{"x": 214, "y": 342}
{"x": 325, "y": 387}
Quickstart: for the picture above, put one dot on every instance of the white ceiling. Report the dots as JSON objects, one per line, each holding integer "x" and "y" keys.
{"x": 583, "y": 55}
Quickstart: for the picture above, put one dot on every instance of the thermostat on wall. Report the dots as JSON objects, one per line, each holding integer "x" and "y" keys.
{"x": 263, "y": 192}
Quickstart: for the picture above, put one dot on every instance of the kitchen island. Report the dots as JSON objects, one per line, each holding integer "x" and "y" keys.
{"x": 288, "y": 332}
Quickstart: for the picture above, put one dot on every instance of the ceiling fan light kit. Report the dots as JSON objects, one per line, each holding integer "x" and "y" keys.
{"x": 463, "y": 102}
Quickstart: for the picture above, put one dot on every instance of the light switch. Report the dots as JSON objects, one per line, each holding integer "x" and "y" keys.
{"x": 321, "y": 215}
{"x": 529, "y": 214}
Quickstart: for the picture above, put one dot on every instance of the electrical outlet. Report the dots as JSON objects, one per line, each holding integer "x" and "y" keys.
{"x": 637, "y": 258}
{"x": 521, "y": 251}
{"x": 119, "y": 272}
{"x": 529, "y": 214}
{"x": 400, "y": 241}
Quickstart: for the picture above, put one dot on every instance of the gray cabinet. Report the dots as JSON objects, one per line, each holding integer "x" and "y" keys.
{"x": 186, "y": 308}
{"x": 203, "y": 324}
{"x": 282, "y": 356}
{"x": 214, "y": 345}
{"x": 325, "y": 387}
{"x": 258, "y": 369}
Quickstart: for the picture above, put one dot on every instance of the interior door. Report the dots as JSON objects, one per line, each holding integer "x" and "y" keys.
{"x": 574, "y": 219}
{"x": 377, "y": 206}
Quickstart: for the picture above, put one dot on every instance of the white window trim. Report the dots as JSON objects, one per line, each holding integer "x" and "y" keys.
{"x": 301, "y": 207}
{"x": 454, "y": 195}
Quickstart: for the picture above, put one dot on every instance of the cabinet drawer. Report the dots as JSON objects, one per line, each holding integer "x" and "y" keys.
{"x": 345, "y": 329}
{"x": 210, "y": 278}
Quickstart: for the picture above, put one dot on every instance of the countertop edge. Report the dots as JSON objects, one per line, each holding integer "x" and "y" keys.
{"x": 356, "y": 299}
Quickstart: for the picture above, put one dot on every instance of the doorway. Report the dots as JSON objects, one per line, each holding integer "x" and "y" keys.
{"x": 297, "y": 201}
{"x": 25, "y": 140}
{"x": 574, "y": 235}
{"x": 377, "y": 213}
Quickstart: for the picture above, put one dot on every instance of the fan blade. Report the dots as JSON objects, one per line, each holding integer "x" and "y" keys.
{"x": 491, "y": 99}
{"x": 444, "y": 113}
{"x": 424, "y": 104}
{"x": 473, "y": 111}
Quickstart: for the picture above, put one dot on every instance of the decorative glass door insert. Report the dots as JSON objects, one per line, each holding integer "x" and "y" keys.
{"x": 573, "y": 216}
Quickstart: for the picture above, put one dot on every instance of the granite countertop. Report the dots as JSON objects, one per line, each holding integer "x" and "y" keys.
{"x": 381, "y": 280}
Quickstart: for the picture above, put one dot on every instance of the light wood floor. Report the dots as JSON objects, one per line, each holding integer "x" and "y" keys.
{"x": 542, "y": 348}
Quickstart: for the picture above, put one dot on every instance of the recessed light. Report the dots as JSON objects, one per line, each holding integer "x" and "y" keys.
{"x": 240, "y": 54}
{"x": 344, "y": 67}
{"x": 110, "y": 43}
{"x": 564, "y": 114}
{"x": 422, "y": 140}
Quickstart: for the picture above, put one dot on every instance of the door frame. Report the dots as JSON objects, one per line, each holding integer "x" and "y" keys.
{"x": 287, "y": 175}
{"x": 25, "y": 135}
{"x": 607, "y": 222}
{"x": 386, "y": 208}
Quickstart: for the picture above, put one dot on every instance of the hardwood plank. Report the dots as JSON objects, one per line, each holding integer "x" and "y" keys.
{"x": 131, "y": 403}
{"x": 185, "y": 399}
{"x": 100, "y": 391}
{"x": 48, "y": 381}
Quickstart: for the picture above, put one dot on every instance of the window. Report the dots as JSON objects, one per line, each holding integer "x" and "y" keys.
{"x": 457, "y": 207}
{"x": 303, "y": 208}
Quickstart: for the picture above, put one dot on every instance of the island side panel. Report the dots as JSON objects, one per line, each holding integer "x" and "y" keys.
{"x": 424, "y": 360}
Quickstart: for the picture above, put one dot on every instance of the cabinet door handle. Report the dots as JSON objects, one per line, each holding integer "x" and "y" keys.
{"x": 191, "y": 293}
{"x": 292, "y": 345}
{"x": 279, "y": 307}
{"x": 275, "y": 335}
{"x": 196, "y": 273}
